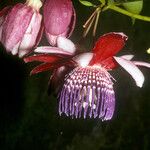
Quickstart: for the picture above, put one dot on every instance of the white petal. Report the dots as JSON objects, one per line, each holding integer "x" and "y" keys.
{"x": 15, "y": 49}
{"x": 128, "y": 57}
{"x": 132, "y": 69}
{"x": 66, "y": 44}
{"x": 27, "y": 42}
{"x": 140, "y": 63}
{"x": 83, "y": 59}
{"x": 51, "y": 50}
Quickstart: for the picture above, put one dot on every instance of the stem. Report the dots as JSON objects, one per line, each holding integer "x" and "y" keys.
{"x": 89, "y": 26}
{"x": 90, "y": 18}
{"x": 122, "y": 11}
{"x": 96, "y": 22}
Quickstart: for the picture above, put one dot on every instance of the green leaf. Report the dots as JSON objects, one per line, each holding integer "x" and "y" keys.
{"x": 87, "y": 3}
{"x": 110, "y": 2}
{"x": 102, "y": 1}
{"x": 134, "y": 7}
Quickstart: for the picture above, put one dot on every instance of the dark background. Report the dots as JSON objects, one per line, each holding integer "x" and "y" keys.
{"x": 29, "y": 118}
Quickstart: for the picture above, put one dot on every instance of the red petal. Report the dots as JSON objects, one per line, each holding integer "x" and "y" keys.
{"x": 49, "y": 66}
{"x": 52, "y": 64}
{"x": 41, "y": 68}
{"x": 108, "y": 45}
{"x": 42, "y": 58}
{"x": 109, "y": 63}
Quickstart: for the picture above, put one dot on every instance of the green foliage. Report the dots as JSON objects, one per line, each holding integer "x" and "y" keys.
{"x": 102, "y": 1}
{"x": 87, "y": 3}
{"x": 133, "y": 7}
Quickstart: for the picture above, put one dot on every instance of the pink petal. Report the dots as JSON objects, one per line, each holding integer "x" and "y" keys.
{"x": 140, "y": 63}
{"x": 108, "y": 45}
{"x": 51, "y": 50}
{"x": 132, "y": 69}
{"x": 57, "y": 15}
{"x": 15, "y": 25}
{"x": 52, "y": 39}
{"x": 3, "y": 13}
{"x": 66, "y": 44}
{"x": 42, "y": 58}
{"x": 29, "y": 39}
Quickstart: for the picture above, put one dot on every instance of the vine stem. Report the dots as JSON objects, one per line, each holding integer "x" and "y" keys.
{"x": 125, "y": 12}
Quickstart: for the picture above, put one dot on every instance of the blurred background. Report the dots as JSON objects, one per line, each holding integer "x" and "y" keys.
{"x": 29, "y": 117}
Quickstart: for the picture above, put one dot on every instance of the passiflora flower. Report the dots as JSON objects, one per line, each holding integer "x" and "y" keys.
{"x": 20, "y": 27}
{"x": 59, "y": 19}
{"x": 87, "y": 86}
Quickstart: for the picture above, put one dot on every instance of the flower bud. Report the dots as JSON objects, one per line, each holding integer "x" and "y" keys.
{"x": 21, "y": 28}
{"x": 59, "y": 19}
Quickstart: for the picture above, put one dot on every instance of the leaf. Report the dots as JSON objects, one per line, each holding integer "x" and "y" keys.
{"x": 102, "y": 1}
{"x": 87, "y": 3}
{"x": 134, "y": 7}
{"x": 109, "y": 2}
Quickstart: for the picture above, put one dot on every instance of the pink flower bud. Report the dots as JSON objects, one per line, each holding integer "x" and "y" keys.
{"x": 20, "y": 30}
{"x": 59, "y": 19}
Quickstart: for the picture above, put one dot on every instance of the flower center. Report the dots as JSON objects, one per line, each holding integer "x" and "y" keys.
{"x": 87, "y": 91}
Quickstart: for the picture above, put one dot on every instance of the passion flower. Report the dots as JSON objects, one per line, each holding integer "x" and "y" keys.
{"x": 21, "y": 29}
{"x": 59, "y": 19}
{"x": 87, "y": 87}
